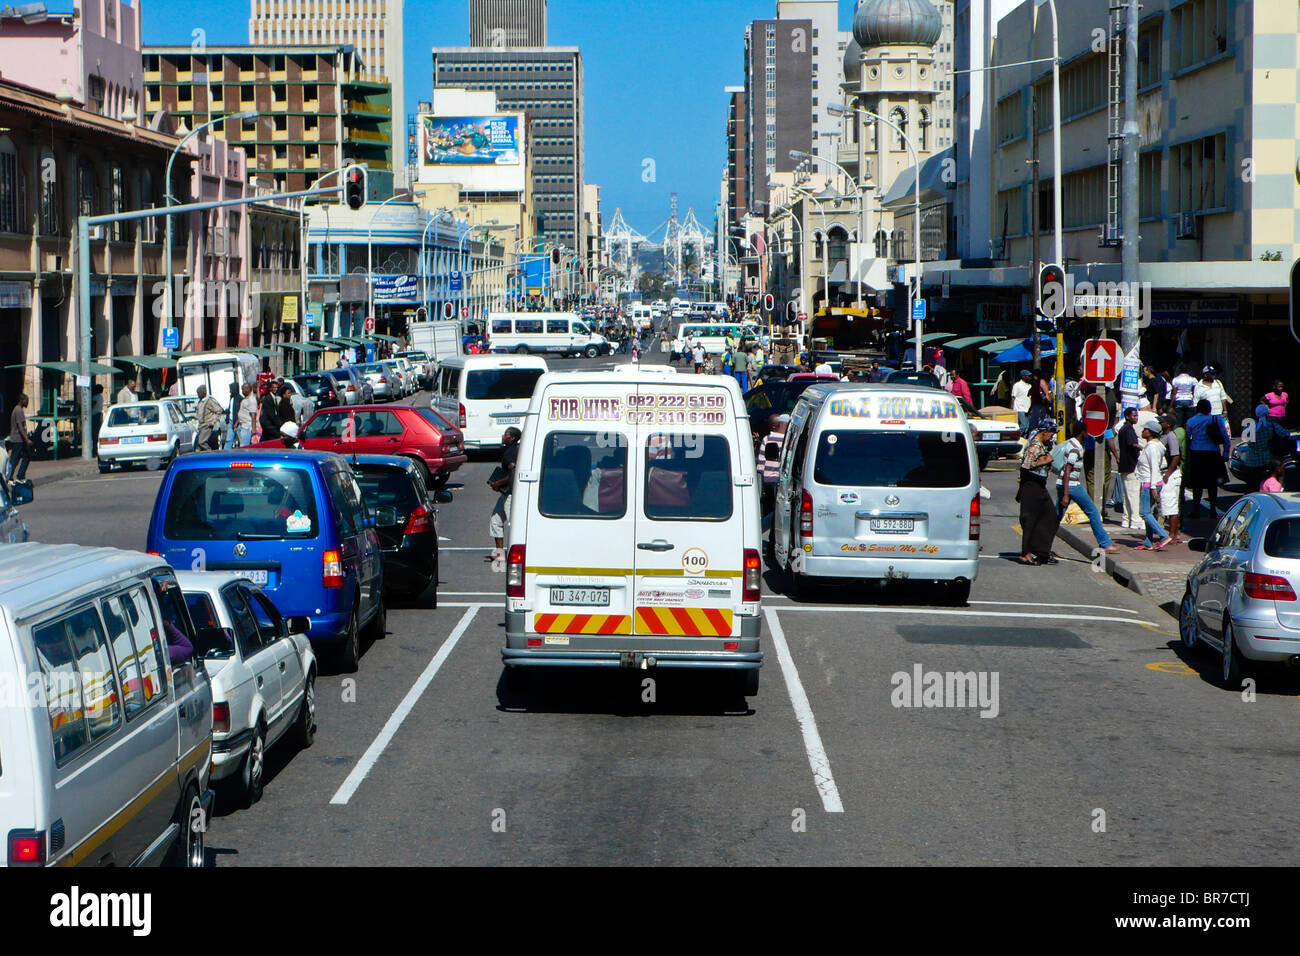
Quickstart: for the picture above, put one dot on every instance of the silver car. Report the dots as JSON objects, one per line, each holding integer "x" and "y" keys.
{"x": 403, "y": 377}
{"x": 382, "y": 384}
{"x": 1241, "y": 596}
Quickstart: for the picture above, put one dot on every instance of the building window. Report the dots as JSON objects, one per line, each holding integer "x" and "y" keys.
{"x": 1010, "y": 219}
{"x": 85, "y": 188}
{"x": 95, "y": 92}
{"x": 882, "y": 244}
{"x": 1083, "y": 87}
{"x": 1198, "y": 32}
{"x": 49, "y": 192}
{"x": 1011, "y": 118}
{"x": 1083, "y": 196}
{"x": 8, "y": 186}
{"x": 924, "y": 133}
{"x": 899, "y": 118}
{"x": 1198, "y": 175}
{"x": 148, "y": 227}
{"x": 1149, "y": 185}
{"x": 117, "y": 196}
{"x": 1149, "y": 55}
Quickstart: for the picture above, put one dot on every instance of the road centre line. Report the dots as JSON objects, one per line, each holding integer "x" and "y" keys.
{"x": 394, "y": 722}
{"x": 812, "y": 741}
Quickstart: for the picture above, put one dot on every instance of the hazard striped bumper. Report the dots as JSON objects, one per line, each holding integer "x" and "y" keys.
{"x": 684, "y": 621}
{"x": 582, "y": 624}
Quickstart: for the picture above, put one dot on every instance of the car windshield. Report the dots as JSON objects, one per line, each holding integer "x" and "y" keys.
{"x": 124, "y": 416}
{"x": 241, "y": 504}
{"x": 387, "y": 487}
{"x": 891, "y": 459}
{"x": 500, "y": 384}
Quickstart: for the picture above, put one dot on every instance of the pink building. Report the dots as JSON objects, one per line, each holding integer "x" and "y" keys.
{"x": 88, "y": 55}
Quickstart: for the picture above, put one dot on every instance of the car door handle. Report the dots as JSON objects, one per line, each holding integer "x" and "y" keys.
{"x": 282, "y": 667}
{"x": 259, "y": 681}
{"x": 394, "y": 441}
{"x": 657, "y": 545}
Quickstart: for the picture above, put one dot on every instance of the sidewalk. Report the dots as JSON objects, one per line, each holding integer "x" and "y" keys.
{"x": 44, "y": 472}
{"x": 1158, "y": 575}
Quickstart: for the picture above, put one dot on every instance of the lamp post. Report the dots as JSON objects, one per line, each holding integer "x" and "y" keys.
{"x": 836, "y": 108}
{"x": 440, "y": 215}
{"x": 370, "y": 249}
{"x": 167, "y": 201}
{"x": 802, "y": 274}
{"x": 826, "y": 270}
{"x": 859, "y": 191}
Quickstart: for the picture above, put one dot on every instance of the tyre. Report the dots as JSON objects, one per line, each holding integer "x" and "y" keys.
{"x": 984, "y": 458}
{"x": 438, "y": 481}
{"x": 591, "y": 352}
{"x": 105, "y": 468}
{"x": 1232, "y": 666}
{"x": 746, "y": 682}
{"x": 958, "y": 592}
{"x": 377, "y": 629}
{"x": 304, "y": 728}
{"x": 1187, "y": 627}
{"x": 801, "y": 588}
{"x": 188, "y": 849}
{"x": 433, "y": 601}
{"x": 252, "y": 774}
{"x": 349, "y": 652}
{"x": 518, "y": 681}
{"x": 521, "y": 350}
{"x": 423, "y": 469}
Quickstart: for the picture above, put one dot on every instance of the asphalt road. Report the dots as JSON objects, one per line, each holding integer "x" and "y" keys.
{"x": 1105, "y": 748}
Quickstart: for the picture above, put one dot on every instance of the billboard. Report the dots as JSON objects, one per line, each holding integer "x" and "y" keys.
{"x": 470, "y": 140}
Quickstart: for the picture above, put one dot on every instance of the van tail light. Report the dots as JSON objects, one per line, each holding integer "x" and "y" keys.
{"x": 462, "y": 416}
{"x": 420, "y": 521}
{"x": 220, "y": 718}
{"x": 753, "y": 571}
{"x": 806, "y": 516}
{"x": 515, "y": 571}
{"x": 1268, "y": 587}
{"x": 26, "y": 847}
{"x": 975, "y": 518}
{"x": 333, "y": 569}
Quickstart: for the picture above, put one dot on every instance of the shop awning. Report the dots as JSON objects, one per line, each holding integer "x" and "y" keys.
{"x": 68, "y": 368}
{"x": 144, "y": 361}
{"x": 968, "y": 341}
{"x": 383, "y": 338}
{"x": 259, "y": 351}
{"x": 935, "y": 337}
{"x": 1002, "y": 346}
{"x": 304, "y": 346}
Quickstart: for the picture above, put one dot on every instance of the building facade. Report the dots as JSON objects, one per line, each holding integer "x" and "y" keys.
{"x": 319, "y": 108}
{"x": 778, "y": 100}
{"x": 507, "y": 23}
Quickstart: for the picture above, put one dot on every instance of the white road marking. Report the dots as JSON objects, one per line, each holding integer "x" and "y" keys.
{"x": 101, "y": 480}
{"x": 1095, "y": 607}
{"x": 467, "y": 549}
{"x": 495, "y": 594}
{"x": 380, "y": 743}
{"x": 928, "y": 612}
{"x": 812, "y": 741}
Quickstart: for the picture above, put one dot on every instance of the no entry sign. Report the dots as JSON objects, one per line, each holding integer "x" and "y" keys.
{"x": 1095, "y": 418}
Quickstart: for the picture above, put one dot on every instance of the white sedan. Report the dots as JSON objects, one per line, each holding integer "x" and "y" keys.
{"x": 263, "y": 674}
{"x": 138, "y": 432}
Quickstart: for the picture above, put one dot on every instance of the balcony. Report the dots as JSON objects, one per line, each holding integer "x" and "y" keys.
{"x": 368, "y": 136}
{"x": 362, "y": 108}
{"x": 311, "y": 106}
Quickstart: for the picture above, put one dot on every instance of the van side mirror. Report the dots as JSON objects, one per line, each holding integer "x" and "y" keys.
{"x": 22, "y": 492}
{"x": 298, "y": 624}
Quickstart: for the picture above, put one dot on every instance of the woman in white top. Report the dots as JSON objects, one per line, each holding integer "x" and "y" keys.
{"x": 1150, "y": 475}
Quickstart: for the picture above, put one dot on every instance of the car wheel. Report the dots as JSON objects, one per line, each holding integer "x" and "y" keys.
{"x": 105, "y": 468}
{"x": 984, "y": 458}
{"x": 592, "y": 352}
{"x": 1232, "y": 664}
{"x": 800, "y": 587}
{"x": 959, "y": 592}
{"x": 1187, "y": 628}
{"x": 377, "y": 629}
{"x": 254, "y": 770}
{"x": 521, "y": 350}
{"x": 350, "y": 647}
{"x": 746, "y": 682}
{"x": 439, "y": 481}
{"x": 304, "y": 728}
{"x": 188, "y": 849}
{"x": 423, "y": 469}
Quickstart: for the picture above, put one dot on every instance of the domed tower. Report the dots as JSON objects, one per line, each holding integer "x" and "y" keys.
{"x": 895, "y": 79}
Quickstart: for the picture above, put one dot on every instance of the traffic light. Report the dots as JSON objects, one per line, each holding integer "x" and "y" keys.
{"x": 1051, "y": 291}
{"x": 354, "y": 186}
{"x": 769, "y": 302}
{"x": 555, "y": 257}
{"x": 421, "y": 314}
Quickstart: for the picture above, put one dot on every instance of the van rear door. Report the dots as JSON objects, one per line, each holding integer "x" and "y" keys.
{"x": 689, "y": 554}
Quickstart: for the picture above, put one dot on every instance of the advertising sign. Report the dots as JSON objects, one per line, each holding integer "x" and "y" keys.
{"x": 388, "y": 288}
{"x": 315, "y": 314}
{"x": 470, "y": 140}
{"x": 537, "y": 272}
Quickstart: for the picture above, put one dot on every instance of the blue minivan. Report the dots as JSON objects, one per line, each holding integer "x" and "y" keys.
{"x": 293, "y": 522}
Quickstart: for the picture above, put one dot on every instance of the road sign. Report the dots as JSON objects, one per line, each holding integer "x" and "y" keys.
{"x": 370, "y": 323}
{"x": 1130, "y": 380}
{"x": 1101, "y": 361}
{"x": 803, "y": 316}
{"x": 464, "y": 312}
{"x": 1095, "y": 419}
{"x": 457, "y": 282}
{"x": 918, "y": 310}
{"x": 171, "y": 338}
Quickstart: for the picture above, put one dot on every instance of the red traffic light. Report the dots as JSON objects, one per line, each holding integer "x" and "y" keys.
{"x": 354, "y": 187}
{"x": 1051, "y": 291}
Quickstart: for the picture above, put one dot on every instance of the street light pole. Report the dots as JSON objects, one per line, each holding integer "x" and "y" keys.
{"x": 862, "y": 219}
{"x": 370, "y": 250}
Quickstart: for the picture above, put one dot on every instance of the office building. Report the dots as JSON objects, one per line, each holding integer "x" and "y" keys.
{"x": 507, "y": 23}
{"x": 778, "y": 100}
{"x": 827, "y": 61}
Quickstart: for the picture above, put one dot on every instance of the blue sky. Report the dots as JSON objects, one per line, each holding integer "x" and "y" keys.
{"x": 655, "y": 70}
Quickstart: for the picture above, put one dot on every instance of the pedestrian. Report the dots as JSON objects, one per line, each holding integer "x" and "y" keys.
{"x": 127, "y": 393}
{"x": 1150, "y": 475}
{"x": 19, "y": 443}
{"x": 244, "y": 417}
{"x": 1204, "y": 440}
{"x": 96, "y": 414}
{"x": 1212, "y": 390}
{"x": 1171, "y": 493}
{"x": 1276, "y": 475}
{"x": 960, "y": 388}
{"x": 1130, "y": 446}
{"x": 1038, "y": 517}
{"x": 1184, "y": 395}
{"x": 744, "y": 368}
{"x": 232, "y": 413}
{"x": 1020, "y": 400}
{"x": 269, "y": 417}
{"x": 1070, "y": 486}
{"x": 209, "y": 414}
{"x": 285, "y": 408}
{"x": 768, "y": 460}
{"x": 500, "y": 481}
{"x": 344, "y": 361}
{"x": 1002, "y": 386}
{"x": 1276, "y": 401}
{"x": 289, "y": 435}
{"x": 697, "y": 355}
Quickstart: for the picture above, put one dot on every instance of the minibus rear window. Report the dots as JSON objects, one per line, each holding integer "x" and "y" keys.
{"x": 892, "y": 459}
{"x": 584, "y": 475}
{"x": 241, "y": 504}
{"x": 688, "y": 478}
{"x": 501, "y": 384}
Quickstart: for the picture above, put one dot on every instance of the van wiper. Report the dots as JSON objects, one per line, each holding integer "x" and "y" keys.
{"x": 252, "y": 536}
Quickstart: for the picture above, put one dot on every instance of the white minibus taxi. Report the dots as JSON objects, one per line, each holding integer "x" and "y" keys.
{"x": 878, "y": 482}
{"x": 564, "y": 333}
{"x": 713, "y": 336}
{"x": 634, "y": 530}
{"x": 485, "y": 394}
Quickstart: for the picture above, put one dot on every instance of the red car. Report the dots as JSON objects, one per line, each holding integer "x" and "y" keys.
{"x": 420, "y": 434}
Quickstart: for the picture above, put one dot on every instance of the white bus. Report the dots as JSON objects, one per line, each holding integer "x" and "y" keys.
{"x": 564, "y": 333}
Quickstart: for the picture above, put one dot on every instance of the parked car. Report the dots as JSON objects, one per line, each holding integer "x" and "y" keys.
{"x": 108, "y": 764}
{"x": 403, "y": 373}
{"x": 1241, "y": 596}
{"x": 293, "y": 522}
{"x": 320, "y": 388}
{"x": 993, "y": 438}
{"x": 351, "y": 387}
{"x": 13, "y": 495}
{"x": 389, "y": 430}
{"x": 774, "y": 373}
{"x": 423, "y": 366}
{"x": 912, "y": 377}
{"x": 406, "y": 521}
{"x": 383, "y": 386}
{"x": 263, "y": 674}
{"x": 136, "y": 432}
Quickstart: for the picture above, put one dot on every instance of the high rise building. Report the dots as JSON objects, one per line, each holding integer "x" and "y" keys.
{"x": 372, "y": 27}
{"x": 507, "y": 23}
{"x": 544, "y": 83}
{"x": 778, "y": 99}
{"x": 827, "y": 60}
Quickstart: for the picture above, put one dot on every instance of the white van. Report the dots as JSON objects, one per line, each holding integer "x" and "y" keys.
{"x": 713, "y": 336}
{"x": 105, "y": 745}
{"x": 562, "y": 332}
{"x": 634, "y": 531}
{"x": 486, "y": 394}
{"x": 878, "y": 482}
{"x": 217, "y": 370}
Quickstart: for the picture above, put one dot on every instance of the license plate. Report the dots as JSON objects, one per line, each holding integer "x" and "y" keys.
{"x": 259, "y": 578}
{"x": 137, "y": 440}
{"x": 893, "y": 525}
{"x": 989, "y": 436}
{"x": 511, "y": 420}
{"x": 588, "y": 597}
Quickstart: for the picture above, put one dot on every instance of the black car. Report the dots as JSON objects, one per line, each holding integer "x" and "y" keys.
{"x": 319, "y": 388}
{"x": 405, "y": 520}
{"x": 909, "y": 377}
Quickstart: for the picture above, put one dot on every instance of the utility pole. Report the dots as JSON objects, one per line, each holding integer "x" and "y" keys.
{"x": 1129, "y": 194}
{"x": 1033, "y": 232}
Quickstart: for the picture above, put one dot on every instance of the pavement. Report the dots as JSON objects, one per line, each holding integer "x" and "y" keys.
{"x": 45, "y": 472}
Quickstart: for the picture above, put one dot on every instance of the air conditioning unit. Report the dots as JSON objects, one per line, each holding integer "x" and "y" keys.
{"x": 1186, "y": 226}
{"x": 97, "y": 232}
{"x": 53, "y": 262}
